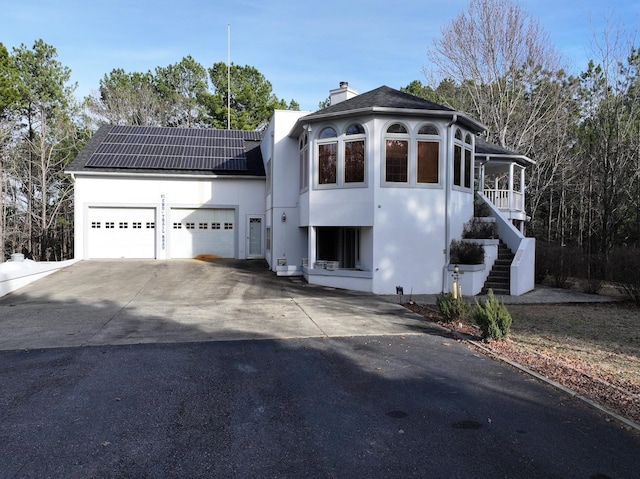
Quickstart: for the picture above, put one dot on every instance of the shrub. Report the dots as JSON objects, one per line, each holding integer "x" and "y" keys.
{"x": 478, "y": 229}
{"x": 480, "y": 208}
{"x": 492, "y": 317}
{"x": 464, "y": 252}
{"x": 452, "y": 309}
{"x": 624, "y": 265}
{"x": 556, "y": 264}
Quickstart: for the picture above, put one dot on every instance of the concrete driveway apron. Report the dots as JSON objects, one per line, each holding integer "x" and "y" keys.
{"x": 146, "y": 301}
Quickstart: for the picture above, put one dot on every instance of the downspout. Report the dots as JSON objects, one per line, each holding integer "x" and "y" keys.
{"x": 447, "y": 209}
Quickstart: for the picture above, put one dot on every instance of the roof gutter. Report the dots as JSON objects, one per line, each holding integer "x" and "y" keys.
{"x": 297, "y": 129}
{"x": 161, "y": 175}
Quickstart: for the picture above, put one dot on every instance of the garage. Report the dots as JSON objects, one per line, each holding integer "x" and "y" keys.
{"x": 209, "y": 231}
{"x": 121, "y": 233}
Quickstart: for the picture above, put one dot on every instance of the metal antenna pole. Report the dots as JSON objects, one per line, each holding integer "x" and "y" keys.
{"x": 228, "y": 76}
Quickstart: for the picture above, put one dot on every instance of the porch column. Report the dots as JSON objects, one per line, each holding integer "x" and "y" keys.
{"x": 510, "y": 193}
{"x": 311, "y": 247}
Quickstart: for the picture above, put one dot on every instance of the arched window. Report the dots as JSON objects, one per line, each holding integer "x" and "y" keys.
{"x": 428, "y": 129}
{"x": 428, "y": 155}
{"x": 462, "y": 160}
{"x": 327, "y": 132}
{"x": 396, "y": 154}
{"x": 354, "y": 162}
{"x": 327, "y": 156}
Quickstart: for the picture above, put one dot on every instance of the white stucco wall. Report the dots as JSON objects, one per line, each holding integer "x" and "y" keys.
{"x": 243, "y": 194}
{"x": 289, "y": 240}
{"x": 403, "y": 227}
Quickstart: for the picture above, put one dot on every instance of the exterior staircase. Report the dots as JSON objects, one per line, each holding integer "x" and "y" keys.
{"x": 499, "y": 279}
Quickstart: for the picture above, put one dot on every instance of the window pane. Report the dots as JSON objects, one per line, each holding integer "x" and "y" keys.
{"x": 355, "y": 129}
{"x": 467, "y": 168}
{"x": 457, "y": 165}
{"x": 428, "y": 167}
{"x": 458, "y": 134}
{"x": 328, "y": 133}
{"x": 428, "y": 130}
{"x": 396, "y": 128}
{"x": 396, "y": 157}
{"x": 467, "y": 139}
{"x": 327, "y": 163}
{"x": 354, "y": 162}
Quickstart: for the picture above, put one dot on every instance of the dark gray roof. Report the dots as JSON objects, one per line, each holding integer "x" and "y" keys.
{"x": 491, "y": 150}
{"x": 382, "y": 97}
{"x": 388, "y": 101}
{"x": 147, "y": 149}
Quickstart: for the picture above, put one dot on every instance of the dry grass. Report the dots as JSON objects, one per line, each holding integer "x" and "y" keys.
{"x": 593, "y": 349}
{"x": 606, "y": 335}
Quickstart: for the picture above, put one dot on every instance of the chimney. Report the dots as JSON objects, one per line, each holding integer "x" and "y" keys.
{"x": 342, "y": 93}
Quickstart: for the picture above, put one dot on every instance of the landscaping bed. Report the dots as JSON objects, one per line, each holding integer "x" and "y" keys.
{"x": 593, "y": 349}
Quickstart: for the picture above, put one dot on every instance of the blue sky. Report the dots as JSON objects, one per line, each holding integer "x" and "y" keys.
{"x": 303, "y": 48}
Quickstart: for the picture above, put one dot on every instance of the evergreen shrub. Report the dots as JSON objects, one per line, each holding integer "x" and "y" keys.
{"x": 452, "y": 309}
{"x": 492, "y": 317}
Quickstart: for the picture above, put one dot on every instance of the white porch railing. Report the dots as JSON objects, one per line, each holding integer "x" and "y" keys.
{"x": 500, "y": 198}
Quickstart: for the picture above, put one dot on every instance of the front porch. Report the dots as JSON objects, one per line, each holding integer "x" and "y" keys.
{"x": 501, "y": 178}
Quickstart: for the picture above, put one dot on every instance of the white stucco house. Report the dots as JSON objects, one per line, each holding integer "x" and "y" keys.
{"x": 365, "y": 194}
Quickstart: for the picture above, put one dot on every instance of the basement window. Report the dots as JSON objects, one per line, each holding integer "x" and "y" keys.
{"x": 339, "y": 245}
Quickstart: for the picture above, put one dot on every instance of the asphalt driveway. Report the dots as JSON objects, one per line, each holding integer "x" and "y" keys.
{"x": 147, "y": 301}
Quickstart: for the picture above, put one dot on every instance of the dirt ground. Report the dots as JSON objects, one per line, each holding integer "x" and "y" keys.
{"x": 593, "y": 349}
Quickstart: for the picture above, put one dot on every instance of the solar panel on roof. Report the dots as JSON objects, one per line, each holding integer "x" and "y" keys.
{"x": 172, "y": 148}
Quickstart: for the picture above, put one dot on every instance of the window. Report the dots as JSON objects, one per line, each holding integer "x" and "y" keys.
{"x": 123, "y": 225}
{"x": 467, "y": 161}
{"x": 215, "y": 226}
{"x": 203, "y": 226}
{"x": 177, "y": 226}
{"x": 151, "y": 225}
{"x": 268, "y": 239}
{"x": 136, "y": 225}
{"x": 95, "y": 224}
{"x": 396, "y": 154}
{"x": 428, "y": 151}
{"x": 457, "y": 165}
{"x": 109, "y": 225}
{"x": 338, "y": 244}
{"x": 462, "y": 160}
{"x": 268, "y": 176}
{"x": 304, "y": 162}
{"x": 190, "y": 226}
{"x": 327, "y": 157}
{"x": 228, "y": 226}
{"x": 354, "y": 154}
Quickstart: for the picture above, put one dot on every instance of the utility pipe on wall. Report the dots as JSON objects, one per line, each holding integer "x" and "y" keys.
{"x": 447, "y": 199}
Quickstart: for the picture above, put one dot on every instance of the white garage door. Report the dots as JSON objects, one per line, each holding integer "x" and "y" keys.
{"x": 202, "y": 231}
{"x": 121, "y": 233}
